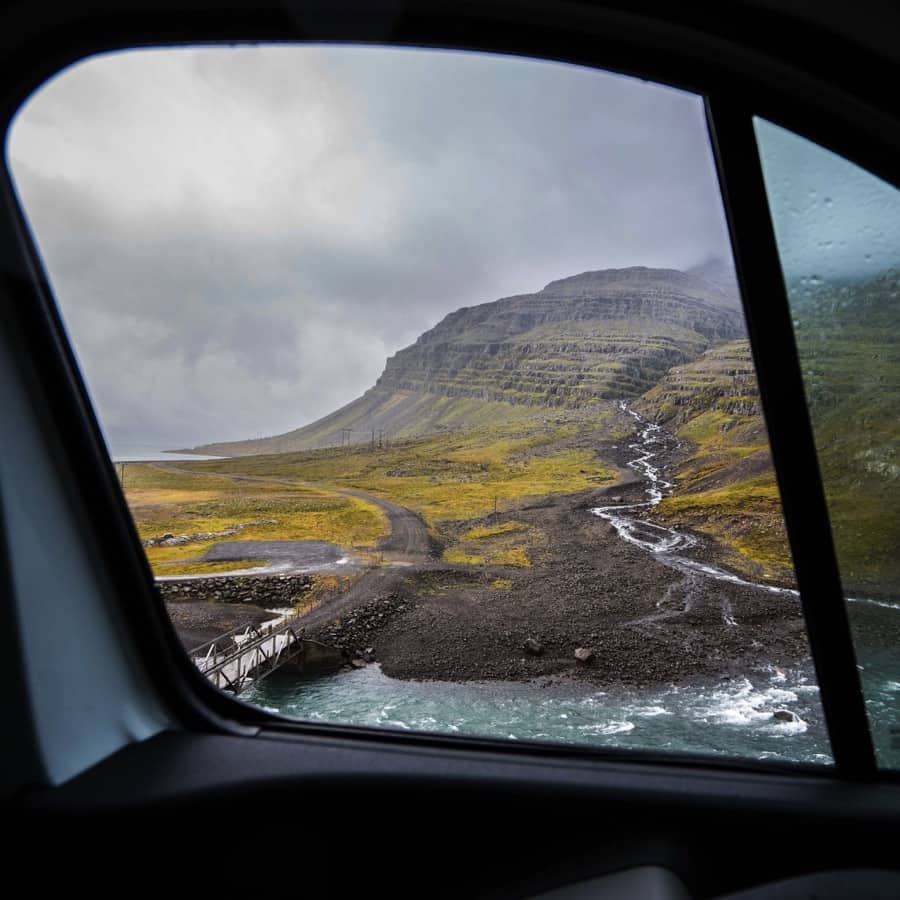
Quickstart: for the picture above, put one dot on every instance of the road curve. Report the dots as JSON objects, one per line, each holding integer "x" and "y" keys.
{"x": 408, "y": 537}
{"x": 408, "y": 544}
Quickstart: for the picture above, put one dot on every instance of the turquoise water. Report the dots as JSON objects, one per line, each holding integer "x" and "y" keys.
{"x": 732, "y": 717}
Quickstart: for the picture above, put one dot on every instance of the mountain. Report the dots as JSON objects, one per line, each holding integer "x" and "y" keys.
{"x": 846, "y": 333}
{"x": 847, "y": 339}
{"x": 591, "y": 337}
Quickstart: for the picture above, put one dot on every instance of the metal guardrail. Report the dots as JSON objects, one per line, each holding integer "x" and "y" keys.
{"x": 233, "y": 660}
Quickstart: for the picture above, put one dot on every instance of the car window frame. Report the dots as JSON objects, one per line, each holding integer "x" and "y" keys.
{"x": 733, "y": 98}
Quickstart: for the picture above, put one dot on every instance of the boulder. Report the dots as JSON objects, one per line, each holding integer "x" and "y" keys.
{"x": 584, "y": 654}
{"x": 785, "y": 715}
{"x": 533, "y": 647}
{"x": 358, "y": 663}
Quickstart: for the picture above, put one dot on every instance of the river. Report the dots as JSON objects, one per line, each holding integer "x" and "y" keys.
{"x": 732, "y": 717}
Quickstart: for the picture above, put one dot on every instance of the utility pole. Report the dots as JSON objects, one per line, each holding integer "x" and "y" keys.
{"x": 380, "y": 438}
{"x": 122, "y": 467}
{"x": 373, "y": 441}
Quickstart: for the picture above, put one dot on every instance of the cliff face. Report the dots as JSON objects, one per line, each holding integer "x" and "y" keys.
{"x": 594, "y": 337}
{"x": 599, "y": 335}
{"x": 721, "y": 381}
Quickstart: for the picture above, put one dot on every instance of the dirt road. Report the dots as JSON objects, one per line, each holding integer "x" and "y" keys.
{"x": 408, "y": 548}
{"x": 408, "y": 538}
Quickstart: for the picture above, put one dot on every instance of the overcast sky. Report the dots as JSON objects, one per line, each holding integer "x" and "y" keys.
{"x": 239, "y": 237}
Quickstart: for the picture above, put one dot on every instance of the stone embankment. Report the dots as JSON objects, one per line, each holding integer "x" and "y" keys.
{"x": 355, "y": 634}
{"x": 265, "y": 591}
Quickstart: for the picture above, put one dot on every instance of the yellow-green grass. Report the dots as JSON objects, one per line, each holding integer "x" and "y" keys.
{"x": 501, "y": 584}
{"x": 725, "y": 486}
{"x": 717, "y": 429}
{"x": 487, "y": 531}
{"x": 205, "y": 568}
{"x": 511, "y": 556}
{"x": 865, "y": 522}
{"x": 504, "y": 544}
{"x": 745, "y": 516}
{"x": 171, "y": 500}
{"x": 464, "y": 557}
{"x": 448, "y": 477}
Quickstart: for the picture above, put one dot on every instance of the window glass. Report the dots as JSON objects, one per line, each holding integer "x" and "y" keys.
{"x": 450, "y": 353}
{"x": 838, "y": 233}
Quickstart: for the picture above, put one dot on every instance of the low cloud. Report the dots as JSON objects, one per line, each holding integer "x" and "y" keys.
{"x": 239, "y": 237}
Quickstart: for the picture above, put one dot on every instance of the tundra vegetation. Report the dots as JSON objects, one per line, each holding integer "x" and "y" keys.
{"x": 516, "y": 400}
{"x": 446, "y": 478}
{"x": 848, "y": 338}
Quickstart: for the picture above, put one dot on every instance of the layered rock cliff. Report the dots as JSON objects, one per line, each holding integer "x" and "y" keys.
{"x": 599, "y": 335}
{"x": 596, "y": 336}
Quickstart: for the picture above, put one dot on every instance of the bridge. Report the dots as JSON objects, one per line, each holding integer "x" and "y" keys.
{"x": 233, "y": 660}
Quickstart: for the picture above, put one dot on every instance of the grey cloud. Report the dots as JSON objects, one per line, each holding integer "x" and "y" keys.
{"x": 238, "y": 250}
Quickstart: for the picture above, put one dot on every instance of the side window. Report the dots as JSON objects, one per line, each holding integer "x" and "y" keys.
{"x": 838, "y": 234}
{"x": 427, "y": 382}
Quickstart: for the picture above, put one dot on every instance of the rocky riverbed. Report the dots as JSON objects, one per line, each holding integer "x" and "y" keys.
{"x": 591, "y": 605}
{"x": 644, "y": 622}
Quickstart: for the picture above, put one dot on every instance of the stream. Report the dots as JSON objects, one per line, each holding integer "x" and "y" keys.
{"x": 731, "y": 717}
{"x": 664, "y": 543}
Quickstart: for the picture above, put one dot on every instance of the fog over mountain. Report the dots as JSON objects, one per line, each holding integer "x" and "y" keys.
{"x": 240, "y": 237}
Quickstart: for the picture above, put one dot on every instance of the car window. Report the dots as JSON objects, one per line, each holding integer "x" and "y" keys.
{"x": 838, "y": 234}
{"x": 428, "y": 386}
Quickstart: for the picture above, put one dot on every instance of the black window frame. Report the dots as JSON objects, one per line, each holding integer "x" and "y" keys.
{"x": 741, "y": 69}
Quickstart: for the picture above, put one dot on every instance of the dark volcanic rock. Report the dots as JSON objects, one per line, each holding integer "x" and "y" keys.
{"x": 266, "y": 591}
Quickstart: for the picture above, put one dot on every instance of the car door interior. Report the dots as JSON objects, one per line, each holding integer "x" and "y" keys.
{"x": 109, "y": 717}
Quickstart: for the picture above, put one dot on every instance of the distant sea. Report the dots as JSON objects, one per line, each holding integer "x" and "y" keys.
{"x": 149, "y": 453}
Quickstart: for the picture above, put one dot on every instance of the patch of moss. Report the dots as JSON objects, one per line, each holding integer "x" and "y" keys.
{"x": 481, "y": 532}
{"x": 513, "y": 556}
{"x": 206, "y": 568}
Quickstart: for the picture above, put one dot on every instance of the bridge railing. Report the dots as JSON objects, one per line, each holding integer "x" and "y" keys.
{"x": 239, "y": 656}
